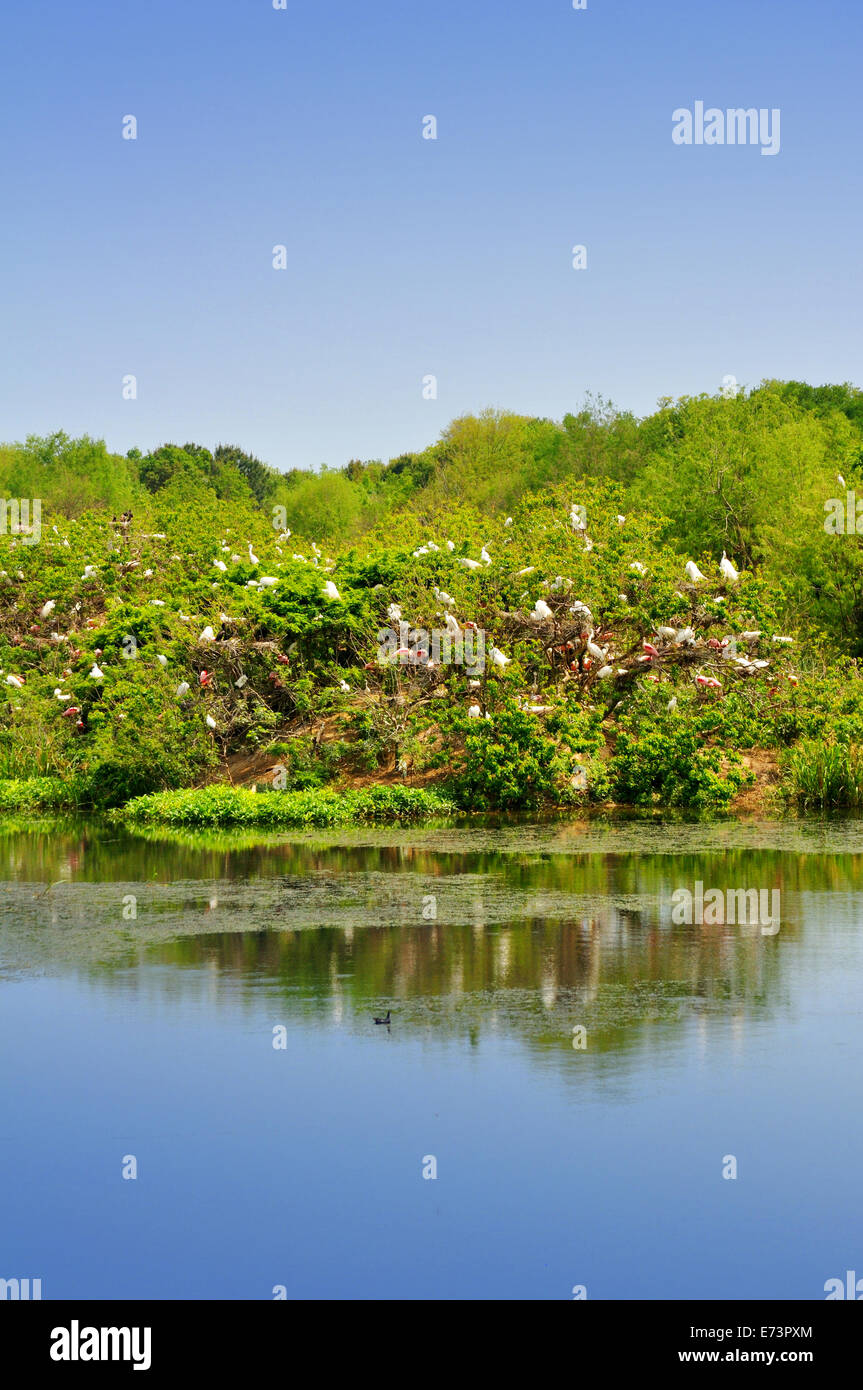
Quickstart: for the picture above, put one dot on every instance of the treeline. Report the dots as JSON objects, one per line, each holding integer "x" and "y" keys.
{"x": 749, "y": 473}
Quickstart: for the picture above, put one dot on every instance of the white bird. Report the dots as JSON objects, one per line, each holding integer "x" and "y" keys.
{"x": 620, "y": 519}
{"x": 576, "y": 519}
{"x": 95, "y": 674}
{"x": 637, "y": 566}
{"x": 208, "y": 635}
{"x": 751, "y": 636}
{"x": 17, "y": 681}
{"x": 211, "y": 723}
{"x": 267, "y": 581}
{"x": 667, "y": 632}
{"x": 431, "y": 545}
{"x": 693, "y": 573}
{"x": 452, "y": 626}
{"x": 445, "y": 598}
{"x": 498, "y": 657}
{"x": 90, "y": 572}
{"x": 541, "y": 611}
{"x": 840, "y": 480}
{"x": 728, "y": 571}
{"x": 252, "y": 556}
{"x": 520, "y": 573}
{"x": 469, "y": 564}
{"x": 220, "y": 565}
{"x": 474, "y": 712}
{"x": 394, "y": 613}
{"x": 598, "y": 653}
{"x": 450, "y": 546}
{"x": 683, "y": 634}
{"x": 47, "y": 608}
{"x": 672, "y": 703}
{"x": 484, "y": 556}
{"x": 162, "y": 660}
{"x": 604, "y": 672}
{"x": 157, "y": 602}
{"x": 240, "y": 682}
{"x": 782, "y": 641}
{"x": 330, "y": 590}
{"x": 581, "y": 610}
{"x": 508, "y": 521}
{"x": 182, "y": 689}
{"x": 344, "y": 687}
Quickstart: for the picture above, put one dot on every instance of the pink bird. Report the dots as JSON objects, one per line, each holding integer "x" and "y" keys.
{"x": 650, "y": 649}
{"x": 709, "y": 681}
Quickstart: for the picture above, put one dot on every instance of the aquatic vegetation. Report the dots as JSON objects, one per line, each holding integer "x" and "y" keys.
{"x": 221, "y": 805}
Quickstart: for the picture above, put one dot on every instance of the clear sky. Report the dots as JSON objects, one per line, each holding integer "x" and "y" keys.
{"x": 407, "y": 256}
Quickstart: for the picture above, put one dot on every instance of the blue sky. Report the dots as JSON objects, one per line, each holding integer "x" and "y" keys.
{"x": 408, "y": 257}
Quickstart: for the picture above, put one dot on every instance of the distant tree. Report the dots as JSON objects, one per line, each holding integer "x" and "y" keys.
{"x": 259, "y": 476}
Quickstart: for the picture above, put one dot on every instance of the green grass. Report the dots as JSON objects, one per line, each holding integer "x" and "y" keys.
{"x": 35, "y": 794}
{"x": 221, "y": 805}
{"x": 825, "y": 774}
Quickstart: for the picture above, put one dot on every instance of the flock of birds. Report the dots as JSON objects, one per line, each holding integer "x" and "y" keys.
{"x": 567, "y": 628}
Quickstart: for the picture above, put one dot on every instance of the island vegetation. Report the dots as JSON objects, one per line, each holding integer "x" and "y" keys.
{"x": 527, "y": 615}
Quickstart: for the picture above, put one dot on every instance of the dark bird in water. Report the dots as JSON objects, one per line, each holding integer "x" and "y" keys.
{"x": 383, "y": 1020}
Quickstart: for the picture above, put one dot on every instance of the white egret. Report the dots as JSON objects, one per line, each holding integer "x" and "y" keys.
{"x": 693, "y": 573}
{"x": 729, "y": 573}
{"x": 330, "y": 591}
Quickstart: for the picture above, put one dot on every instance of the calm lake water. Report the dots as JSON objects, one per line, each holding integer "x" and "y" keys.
{"x": 142, "y": 979}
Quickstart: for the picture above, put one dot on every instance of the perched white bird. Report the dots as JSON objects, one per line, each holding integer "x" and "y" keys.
{"x": 683, "y": 634}
{"x": 17, "y": 681}
{"x": 498, "y": 657}
{"x": 220, "y": 565}
{"x": 672, "y": 703}
{"x": 211, "y": 723}
{"x": 469, "y": 564}
{"x": 157, "y": 602}
{"x": 330, "y": 590}
{"x": 604, "y": 672}
{"x": 751, "y": 636}
{"x": 252, "y": 556}
{"x": 637, "y": 566}
{"x": 484, "y": 556}
{"x": 474, "y": 712}
{"x": 782, "y": 641}
{"x": 90, "y": 572}
{"x": 840, "y": 480}
{"x": 693, "y": 573}
{"x": 452, "y": 626}
{"x": 598, "y": 653}
{"x": 267, "y": 581}
{"x": 581, "y": 610}
{"x": 162, "y": 660}
{"x": 668, "y": 633}
{"x": 620, "y": 519}
{"x": 95, "y": 674}
{"x": 541, "y": 611}
{"x": 344, "y": 687}
{"x": 394, "y": 613}
{"x": 182, "y": 689}
{"x": 431, "y": 546}
{"x": 47, "y": 608}
{"x": 208, "y": 635}
{"x": 508, "y": 521}
{"x": 450, "y": 546}
{"x": 729, "y": 573}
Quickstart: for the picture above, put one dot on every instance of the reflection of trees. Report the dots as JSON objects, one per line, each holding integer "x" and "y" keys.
{"x": 524, "y": 945}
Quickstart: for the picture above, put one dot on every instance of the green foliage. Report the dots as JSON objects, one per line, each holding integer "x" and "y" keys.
{"x": 824, "y": 776}
{"x": 670, "y": 766}
{"x": 221, "y": 805}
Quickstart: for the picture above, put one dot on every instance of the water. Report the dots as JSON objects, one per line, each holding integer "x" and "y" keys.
{"x": 152, "y": 1036}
